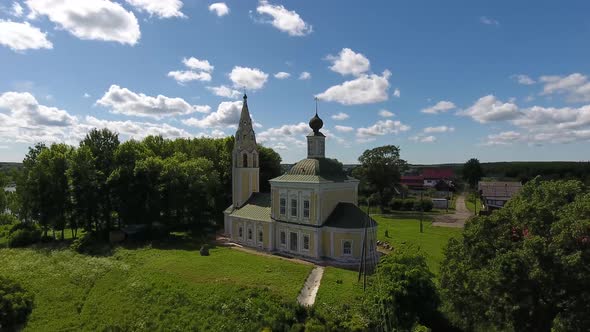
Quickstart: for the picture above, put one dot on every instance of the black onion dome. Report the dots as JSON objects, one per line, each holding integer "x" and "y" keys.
{"x": 316, "y": 123}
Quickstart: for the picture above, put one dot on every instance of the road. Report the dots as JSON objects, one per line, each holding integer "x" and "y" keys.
{"x": 456, "y": 219}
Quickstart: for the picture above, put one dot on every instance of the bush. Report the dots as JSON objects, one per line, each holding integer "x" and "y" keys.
{"x": 396, "y": 204}
{"x": 425, "y": 205}
{"x": 83, "y": 243}
{"x": 408, "y": 204}
{"x": 7, "y": 219}
{"x": 15, "y": 304}
{"x": 23, "y": 234}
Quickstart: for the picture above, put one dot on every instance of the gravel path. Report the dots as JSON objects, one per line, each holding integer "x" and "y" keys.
{"x": 310, "y": 288}
{"x": 456, "y": 219}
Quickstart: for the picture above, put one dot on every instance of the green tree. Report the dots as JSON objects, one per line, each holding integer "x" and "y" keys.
{"x": 402, "y": 292}
{"x": 381, "y": 169}
{"x": 524, "y": 267}
{"x": 3, "y": 196}
{"x": 15, "y": 304}
{"x": 270, "y": 166}
{"x": 82, "y": 179}
{"x": 472, "y": 172}
{"x": 27, "y": 188}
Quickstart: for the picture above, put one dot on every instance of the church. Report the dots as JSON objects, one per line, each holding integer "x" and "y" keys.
{"x": 311, "y": 211}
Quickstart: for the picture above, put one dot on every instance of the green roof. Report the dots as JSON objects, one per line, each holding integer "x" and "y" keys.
{"x": 348, "y": 215}
{"x": 315, "y": 170}
{"x": 256, "y": 208}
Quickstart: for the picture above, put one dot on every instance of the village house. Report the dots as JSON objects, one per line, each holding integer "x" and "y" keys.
{"x": 495, "y": 194}
{"x": 311, "y": 211}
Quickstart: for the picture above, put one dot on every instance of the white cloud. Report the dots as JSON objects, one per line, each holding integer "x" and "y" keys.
{"x": 219, "y": 8}
{"x": 25, "y": 108}
{"x": 282, "y": 75}
{"x": 423, "y": 139}
{"x": 227, "y": 115}
{"x": 439, "y": 129}
{"x": 440, "y": 107}
{"x": 16, "y": 10}
{"x": 196, "y": 64}
{"x": 385, "y": 114}
{"x": 365, "y": 89}
{"x": 340, "y": 116}
{"x": 488, "y": 21}
{"x": 86, "y": 95}
{"x": 575, "y": 86}
{"x": 344, "y": 129}
{"x": 489, "y": 109}
{"x": 304, "y": 75}
{"x": 504, "y": 138}
{"x": 286, "y": 135}
{"x": 382, "y": 127}
{"x": 349, "y": 63}
{"x": 397, "y": 93}
{"x": 285, "y": 20}
{"x": 137, "y": 130}
{"x": 160, "y": 8}
{"x": 90, "y": 19}
{"x": 123, "y": 101}
{"x": 523, "y": 79}
{"x": 22, "y": 36}
{"x": 224, "y": 91}
{"x": 249, "y": 78}
{"x": 200, "y": 70}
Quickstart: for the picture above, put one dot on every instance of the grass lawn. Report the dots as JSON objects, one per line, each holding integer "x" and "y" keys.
{"x": 471, "y": 206}
{"x": 154, "y": 289}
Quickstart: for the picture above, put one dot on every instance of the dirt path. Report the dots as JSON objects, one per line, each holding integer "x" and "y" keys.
{"x": 456, "y": 219}
{"x": 310, "y": 288}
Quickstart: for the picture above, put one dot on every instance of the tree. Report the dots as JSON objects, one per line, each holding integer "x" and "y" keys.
{"x": 82, "y": 179}
{"x": 381, "y": 169}
{"x": 524, "y": 267}
{"x": 472, "y": 172}
{"x": 402, "y": 292}
{"x": 15, "y": 304}
{"x": 270, "y": 166}
{"x": 3, "y": 196}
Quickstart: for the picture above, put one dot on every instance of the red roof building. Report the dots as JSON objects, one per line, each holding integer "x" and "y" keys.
{"x": 413, "y": 181}
{"x": 437, "y": 173}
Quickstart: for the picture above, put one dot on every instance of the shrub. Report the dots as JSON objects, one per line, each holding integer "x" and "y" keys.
{"x": 83, "y": 243}
{"x": 425, "y": 205}
{"x": 7, "y": 219}
{"x": 396, "y": 204}
{"x": 15, "y": 304}
{"x": 23, "y": 234}
{"x": 408, "y": 204}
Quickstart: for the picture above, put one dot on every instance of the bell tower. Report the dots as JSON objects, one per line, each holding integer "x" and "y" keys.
{"x": 245, "y": 167}
{"x": 316, "y": 141}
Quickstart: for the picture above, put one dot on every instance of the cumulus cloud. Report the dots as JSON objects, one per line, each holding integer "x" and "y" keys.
{"x": 249, "y": 78}
{"x": 489, "y": 109}
{"x": 304, "y": 75}
{"x": 283, "y": 19}
{"x": 439, "y": 129}
{"x": 24, "y": 107}
{"x": 385, "y": 114}
{"x": 224, "y": 91}
{"x": 397, "y": 93}
{"x": 137, "y": 130}
{"x": 199, "y": 70}
{"x": 16, "y": 10}
{"x": 90, "y": 19}
{"x": 349, "y": 62}
{"x": 227, "y": 115}
{"x": 282, "y": 75}
{"x": 285, "y": 135}
{"x": 382, "y": 127}
{"x": 440, "y": 107}
{"x": 504, "y": 138}
{"x": 523, "y": 79}
{"x": 575, "y": 86}
{"x": 160, "y": 8}
{"x": 343, "y": 129}
{"x": 123, "y": 101}
{"x": 488, "y": 21}
{"x": 22, "y": 36}
{"x": 365, "y": 89}
{"x": 340, "y": 116}
{"x": 423, "y": 139}
{"x": 219, "y": 8}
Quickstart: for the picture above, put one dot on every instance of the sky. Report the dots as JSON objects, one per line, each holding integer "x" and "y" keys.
{"x": 443, "y": 80}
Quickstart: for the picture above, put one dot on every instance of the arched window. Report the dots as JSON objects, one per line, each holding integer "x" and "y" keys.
{"x": 260, "y": 236}
{"x": 244, "y": 160}
{"x": 241, "y": 232}
{"x": 346, "y": 248}
{"x": 249, "y": 233}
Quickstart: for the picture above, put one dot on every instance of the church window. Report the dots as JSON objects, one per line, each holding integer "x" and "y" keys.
{"x": 249, "y": 233}
{"x": 241, "y": 232}
{"x": 245, "y": 160}
{"x": 347, "y": 248}
{"x": 260, "y": 236}
{"x": 306, "y": 208}
{"x": 283, "y": 206}
{"x": 305, "y": 242}
{"x": 293, "y": 208}
{"x": 283, "y": 238}
{"x": 293, "y": 242}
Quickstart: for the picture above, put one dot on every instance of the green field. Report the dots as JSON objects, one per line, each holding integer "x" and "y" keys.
{"x": 153, "y": 289}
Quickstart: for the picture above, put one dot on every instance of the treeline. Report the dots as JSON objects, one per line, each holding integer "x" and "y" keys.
{"x": 102, "y": 185}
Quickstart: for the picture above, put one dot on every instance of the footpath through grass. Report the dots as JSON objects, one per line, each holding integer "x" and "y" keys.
{"x": 155, "y": 289}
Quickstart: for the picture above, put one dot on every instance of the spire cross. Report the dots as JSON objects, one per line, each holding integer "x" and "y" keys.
{"x": 316, "y": 105}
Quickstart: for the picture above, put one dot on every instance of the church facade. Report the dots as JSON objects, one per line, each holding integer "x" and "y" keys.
{"x": 311, "y": 211}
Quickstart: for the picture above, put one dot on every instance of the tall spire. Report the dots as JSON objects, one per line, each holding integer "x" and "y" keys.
{"x": 245, "y": 137}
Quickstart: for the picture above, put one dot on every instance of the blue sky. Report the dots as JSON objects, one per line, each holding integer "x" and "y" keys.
{"x": 444, "y": 80}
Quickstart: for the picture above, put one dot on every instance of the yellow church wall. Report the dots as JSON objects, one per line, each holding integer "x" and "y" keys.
{"x": 275, "y": 203}
{"x": 330, "y": 199}
{"x": 326, "y": 244}
{"x": 312, "y": 207}
{"x": 356, "y": 238}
